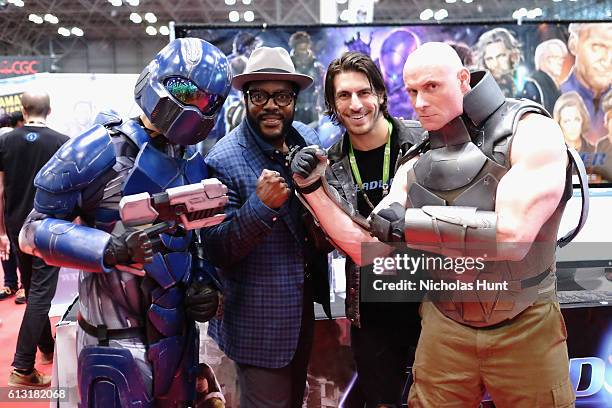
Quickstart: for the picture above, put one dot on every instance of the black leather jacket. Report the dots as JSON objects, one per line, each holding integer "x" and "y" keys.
{"x": 340, "y": 176}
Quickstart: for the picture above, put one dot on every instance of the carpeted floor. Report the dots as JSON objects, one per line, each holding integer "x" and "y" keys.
{"x": 11, "y": 315}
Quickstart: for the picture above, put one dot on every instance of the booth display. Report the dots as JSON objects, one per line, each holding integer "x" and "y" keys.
{"x": 76, "y": 99}
{"x": 584, "y": 268}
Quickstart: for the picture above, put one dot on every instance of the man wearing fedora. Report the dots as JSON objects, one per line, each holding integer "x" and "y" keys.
{"x": 269, "y": 266}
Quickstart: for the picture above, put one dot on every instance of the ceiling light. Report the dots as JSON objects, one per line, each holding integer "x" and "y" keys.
{"x": 468, "y": 1}
{"x": 151, "y": 30}
{"x": 116, "y": 3}
{"x": 150, "y": 17}
{"x": 441, "y": 14}
{"x": 63, "y": 31}
{"x": 345, "y": 15}
{"x": 51, "y": 18}
{"x": 341, "y": 1}
{"x": 426, "y": 14}
{"x": 451, "y": 1}
{"x": 519, "y": 13}
{"x": 133, "y": 3}
{"x": 35, "y": 18}
{"x": 230, "y": 2}
{"x": 246, "y": 2}
{"x": 249, "y": 16}
{"x": 163, "y": 30}
{"x": 135, "y": 18}
{"x": 77, "y": 31}
{"x": 18, "y": 3}
{"x": 534, "y": 13}
{"x": 234, "y": 16}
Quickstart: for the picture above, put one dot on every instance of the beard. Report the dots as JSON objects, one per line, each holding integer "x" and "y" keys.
{"x": 274, "y": 136}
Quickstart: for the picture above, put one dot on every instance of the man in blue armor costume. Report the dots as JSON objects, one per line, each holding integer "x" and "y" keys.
{"x": 143, "y": 283}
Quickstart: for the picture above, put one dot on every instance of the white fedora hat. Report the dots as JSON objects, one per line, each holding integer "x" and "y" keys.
{"x": 270, "y": 64}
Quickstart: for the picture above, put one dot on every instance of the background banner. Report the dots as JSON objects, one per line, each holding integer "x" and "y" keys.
{"x": 565, "y": 67}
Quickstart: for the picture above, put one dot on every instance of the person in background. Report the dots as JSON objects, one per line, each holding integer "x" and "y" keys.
{"x": 603, "y": 150}
{"x": 9, "y": 122}
{"x": 499, "y": 51}
{"x": 23, "y": 152}
{"x": 542, "y": 86}
{"x": 573, "y": 119}
{"x": 591, "y": 76}
{"x": 17, "y": 119}
{"x": 305, "y": 61}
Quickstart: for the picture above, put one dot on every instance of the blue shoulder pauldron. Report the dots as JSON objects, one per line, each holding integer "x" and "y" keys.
{"x": 74, "y": 166}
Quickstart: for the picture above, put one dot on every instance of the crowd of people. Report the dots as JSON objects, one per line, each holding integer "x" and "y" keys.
{"x": 275, "y": 204}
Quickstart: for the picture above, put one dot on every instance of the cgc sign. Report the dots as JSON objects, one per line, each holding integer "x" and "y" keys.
{"x": 23, "y": 65}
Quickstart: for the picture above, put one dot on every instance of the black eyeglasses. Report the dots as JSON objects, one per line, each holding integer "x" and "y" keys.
{"x": 188, "y": 93}
{"x": 261, "y": 98}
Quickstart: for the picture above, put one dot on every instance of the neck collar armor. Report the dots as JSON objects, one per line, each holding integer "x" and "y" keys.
{"x": 483, "y": 99}
{"x": 479, "y": 104}
{"x": 452, "y": 134}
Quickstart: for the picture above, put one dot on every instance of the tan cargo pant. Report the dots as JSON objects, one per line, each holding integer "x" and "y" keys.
{"x": 521, "y": 364}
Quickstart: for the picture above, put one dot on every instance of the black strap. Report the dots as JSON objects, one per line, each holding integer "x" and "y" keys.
{"x": 584, "y": 190}
{"x": 103, "y": 334}
{"x": 414, "y": 151}
{"x": 309, "y": 189}
{"x": 535, "y": 280}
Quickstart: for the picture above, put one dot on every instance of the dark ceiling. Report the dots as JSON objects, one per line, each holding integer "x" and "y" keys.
{"x": 100, "y": 20}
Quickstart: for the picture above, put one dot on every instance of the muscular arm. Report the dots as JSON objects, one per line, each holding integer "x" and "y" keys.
{"x": 531, "y": 190}
{"x": 344, "y": 231}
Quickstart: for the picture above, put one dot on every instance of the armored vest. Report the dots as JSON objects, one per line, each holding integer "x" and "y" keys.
{"x": 466, "y": 160}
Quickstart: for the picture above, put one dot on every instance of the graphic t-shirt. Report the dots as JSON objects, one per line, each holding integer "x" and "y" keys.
{"x": 23, "y": 152}
{"x": 370, "y": 164}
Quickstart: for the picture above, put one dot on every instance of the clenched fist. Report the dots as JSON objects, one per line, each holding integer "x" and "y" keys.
{"x": 306, "y": 160}
{"x": 272, "y": 189}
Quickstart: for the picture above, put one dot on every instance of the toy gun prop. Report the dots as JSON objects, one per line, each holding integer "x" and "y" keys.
{"x": 192, "y": 206}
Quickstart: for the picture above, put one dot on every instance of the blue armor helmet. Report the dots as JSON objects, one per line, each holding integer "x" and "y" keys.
{"x": 183, "y": 88}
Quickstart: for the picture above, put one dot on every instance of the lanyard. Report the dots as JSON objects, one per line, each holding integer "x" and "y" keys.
{"x": 386, "y": 165}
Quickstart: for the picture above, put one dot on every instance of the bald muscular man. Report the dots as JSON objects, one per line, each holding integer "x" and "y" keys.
{"x": 481, "y": 180}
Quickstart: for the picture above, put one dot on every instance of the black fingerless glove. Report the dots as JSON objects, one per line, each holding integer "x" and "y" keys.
{"x": 388, "y": 224}
{"x": 132, "y": 247}
{"x": 201, "y": 301}
{"x": 305, "y": 161}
